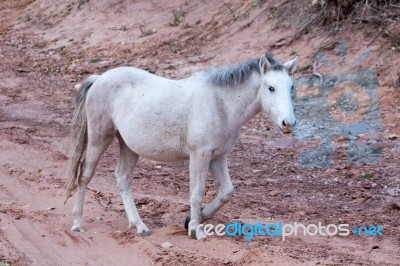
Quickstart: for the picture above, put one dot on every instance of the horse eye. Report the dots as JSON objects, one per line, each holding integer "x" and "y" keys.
{"x": 292, "y": 88}
{"x": 271, "y": 89}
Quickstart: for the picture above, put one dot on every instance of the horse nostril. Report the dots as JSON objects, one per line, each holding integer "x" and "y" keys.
{"x": 284, "y": 124}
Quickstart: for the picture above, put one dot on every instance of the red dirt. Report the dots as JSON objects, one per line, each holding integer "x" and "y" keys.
{"x": 47, "y": 48}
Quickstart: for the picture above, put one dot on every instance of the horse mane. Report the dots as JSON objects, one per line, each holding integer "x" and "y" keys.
{"x": 234, "y": 75}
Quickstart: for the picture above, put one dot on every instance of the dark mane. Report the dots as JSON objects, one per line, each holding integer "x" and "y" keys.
{"x": 232, "y": 76}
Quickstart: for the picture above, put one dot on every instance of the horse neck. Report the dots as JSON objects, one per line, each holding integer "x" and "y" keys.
{"x": 242, "y": 103}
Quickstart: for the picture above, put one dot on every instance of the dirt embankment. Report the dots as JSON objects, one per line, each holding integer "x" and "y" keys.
{"x": 47, "y": 47}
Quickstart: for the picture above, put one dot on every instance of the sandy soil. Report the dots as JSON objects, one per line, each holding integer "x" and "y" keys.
{"x": 47, "y": 48}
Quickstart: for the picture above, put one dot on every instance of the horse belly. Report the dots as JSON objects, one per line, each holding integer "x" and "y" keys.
{"x": 155, "y": 136}
{"x": 163, "y": 146}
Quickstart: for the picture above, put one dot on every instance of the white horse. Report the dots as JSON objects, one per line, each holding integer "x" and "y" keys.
{"x": 198, "y": 118}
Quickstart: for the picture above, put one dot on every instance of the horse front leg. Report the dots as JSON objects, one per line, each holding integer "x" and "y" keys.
{"x": 219, "y": 172}
{"x": 198, "y": 169}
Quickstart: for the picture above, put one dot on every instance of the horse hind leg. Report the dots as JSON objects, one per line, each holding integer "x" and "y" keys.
{"x": 95, "y": 148}
{"x": 124, "y": 174}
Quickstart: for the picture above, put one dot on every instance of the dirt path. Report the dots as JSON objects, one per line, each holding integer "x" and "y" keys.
{"x": 38, "y": 74}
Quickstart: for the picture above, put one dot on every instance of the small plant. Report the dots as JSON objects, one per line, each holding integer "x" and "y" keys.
{"x": 95, "y": 60}
{"x": 333, "y": 107}
{"x": 365, "y": 113}
{"x": 368, "y": 176}
{"x": 146, "y": 32}
{"x": 5, "y": 262}
{"x": 304, "y": 69}
{"x": 178, "y": 17}
{"x": 48, "y": 25}
{"x": 281, "y": 23}
{"x": 81, "y": 3}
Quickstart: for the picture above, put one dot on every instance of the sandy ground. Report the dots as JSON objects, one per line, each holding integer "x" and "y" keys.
{"x": 47, "y": 48}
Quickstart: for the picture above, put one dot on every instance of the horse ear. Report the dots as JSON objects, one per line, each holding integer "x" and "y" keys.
{"x": 264, "y": 64}
{"x": 291, "y": 65}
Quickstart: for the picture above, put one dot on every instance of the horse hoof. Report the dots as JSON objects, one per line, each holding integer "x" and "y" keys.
{"x": 197, "y": 234}
{"x": 200, "y": 235}
{"x": 187, "y": 220}
{"x": 77, "y": 229}
{"x": 145, "y": 233}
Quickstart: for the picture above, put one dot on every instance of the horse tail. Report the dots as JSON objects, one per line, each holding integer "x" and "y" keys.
{"x": 78, "y": 135}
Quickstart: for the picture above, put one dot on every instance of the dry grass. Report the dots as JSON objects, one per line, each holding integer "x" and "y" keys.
{"x": 377, "y": 13}
{"x": 332, "y": 15}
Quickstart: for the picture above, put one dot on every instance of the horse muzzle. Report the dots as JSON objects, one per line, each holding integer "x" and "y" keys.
{"x": 287, "y": 127}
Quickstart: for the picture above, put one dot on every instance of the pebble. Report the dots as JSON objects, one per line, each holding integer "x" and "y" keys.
{"x": 166, "y": 245}
{"x": 273, "y": 193}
